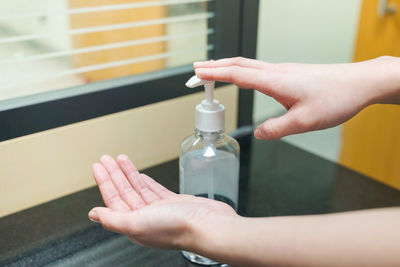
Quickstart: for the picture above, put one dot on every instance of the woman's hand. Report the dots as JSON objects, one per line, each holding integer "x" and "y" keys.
{"x": 148, "y": 213}
{"x": 315, "y": 96}
{"x": 151, "y": 215}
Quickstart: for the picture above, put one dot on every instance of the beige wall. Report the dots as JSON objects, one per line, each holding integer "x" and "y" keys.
{"x": 308, "y": 31}
{"x": 44, "y": 166}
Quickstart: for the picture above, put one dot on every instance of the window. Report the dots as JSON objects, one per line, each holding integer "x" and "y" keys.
{"x": 64, "y": 61}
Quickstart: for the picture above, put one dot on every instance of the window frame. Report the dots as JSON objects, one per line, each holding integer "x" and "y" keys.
{"x": 235, "y": 26}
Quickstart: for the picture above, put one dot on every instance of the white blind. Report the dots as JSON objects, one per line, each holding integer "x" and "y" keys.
{"x": 57, "y": 45}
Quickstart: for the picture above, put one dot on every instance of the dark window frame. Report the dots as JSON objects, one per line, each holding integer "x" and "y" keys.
{"x": 235, "y": 35}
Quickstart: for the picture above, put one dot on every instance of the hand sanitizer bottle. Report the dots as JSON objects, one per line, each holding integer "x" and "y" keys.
{"x": 209, "y": 159}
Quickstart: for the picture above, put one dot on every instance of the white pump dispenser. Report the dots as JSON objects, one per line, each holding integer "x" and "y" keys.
{"x": 210, "y": 114}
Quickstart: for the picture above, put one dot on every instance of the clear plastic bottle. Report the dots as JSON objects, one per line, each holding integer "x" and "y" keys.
{"x": 209, "y": 167}
{"x": 209, "y": 160}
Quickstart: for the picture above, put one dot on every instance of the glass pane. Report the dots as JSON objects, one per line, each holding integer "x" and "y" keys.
{"x": 54, "y": 44}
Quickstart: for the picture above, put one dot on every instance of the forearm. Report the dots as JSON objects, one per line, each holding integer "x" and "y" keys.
{"x": 363, "y": 238}
{"x": 382, "y": 76}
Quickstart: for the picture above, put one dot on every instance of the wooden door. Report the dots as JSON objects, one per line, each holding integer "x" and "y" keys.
{"x": 371, "y": 140}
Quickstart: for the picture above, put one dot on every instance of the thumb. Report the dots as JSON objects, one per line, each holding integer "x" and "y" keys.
{"x": 276, "y": 128}
{"x": 111, "y": 220}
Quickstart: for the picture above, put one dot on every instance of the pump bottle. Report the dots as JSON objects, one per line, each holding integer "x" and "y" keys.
{"x": 209, "y": 159}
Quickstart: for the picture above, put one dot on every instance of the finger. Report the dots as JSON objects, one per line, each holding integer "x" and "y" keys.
{"x": 126, "y": 191}
{"x": 242, "y": 77}
{"x": 111, "y": 220}
{"x": 276, "y": 128}
{"x": 234, "y": 61}
{"x": 157, "y": 188}
{"x": 107, "y": 189}
{"x": 136, "y": 179}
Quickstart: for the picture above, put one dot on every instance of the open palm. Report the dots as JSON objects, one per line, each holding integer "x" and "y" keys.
{"x": 145, "y": 211}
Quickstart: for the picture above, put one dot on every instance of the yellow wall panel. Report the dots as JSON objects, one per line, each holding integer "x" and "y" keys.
{"x": 377, "y": 36}
{"x": 371, "y": 143}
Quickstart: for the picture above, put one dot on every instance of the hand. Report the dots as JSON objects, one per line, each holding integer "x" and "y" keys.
{"x": 145, "y": 211}
{"x": 151, "y": 215}
{"x": 315, "y": 96}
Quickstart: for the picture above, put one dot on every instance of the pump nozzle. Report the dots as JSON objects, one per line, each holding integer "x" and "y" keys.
{"x": 208, "y": 85}
{"x": 209, "y": 114}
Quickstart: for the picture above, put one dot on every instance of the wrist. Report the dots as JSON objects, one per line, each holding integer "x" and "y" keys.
{"x": 211, "y": 235}
{"x": 385, "y": 81}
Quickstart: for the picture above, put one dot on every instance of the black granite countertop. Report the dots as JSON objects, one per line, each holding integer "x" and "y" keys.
{"x": 275, "y": 179}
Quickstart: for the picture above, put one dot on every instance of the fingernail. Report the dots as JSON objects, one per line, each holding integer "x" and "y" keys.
{"x": 93, "y": 216}
{"x": 197, "y": 63}
{"x": 259, "y": 133}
